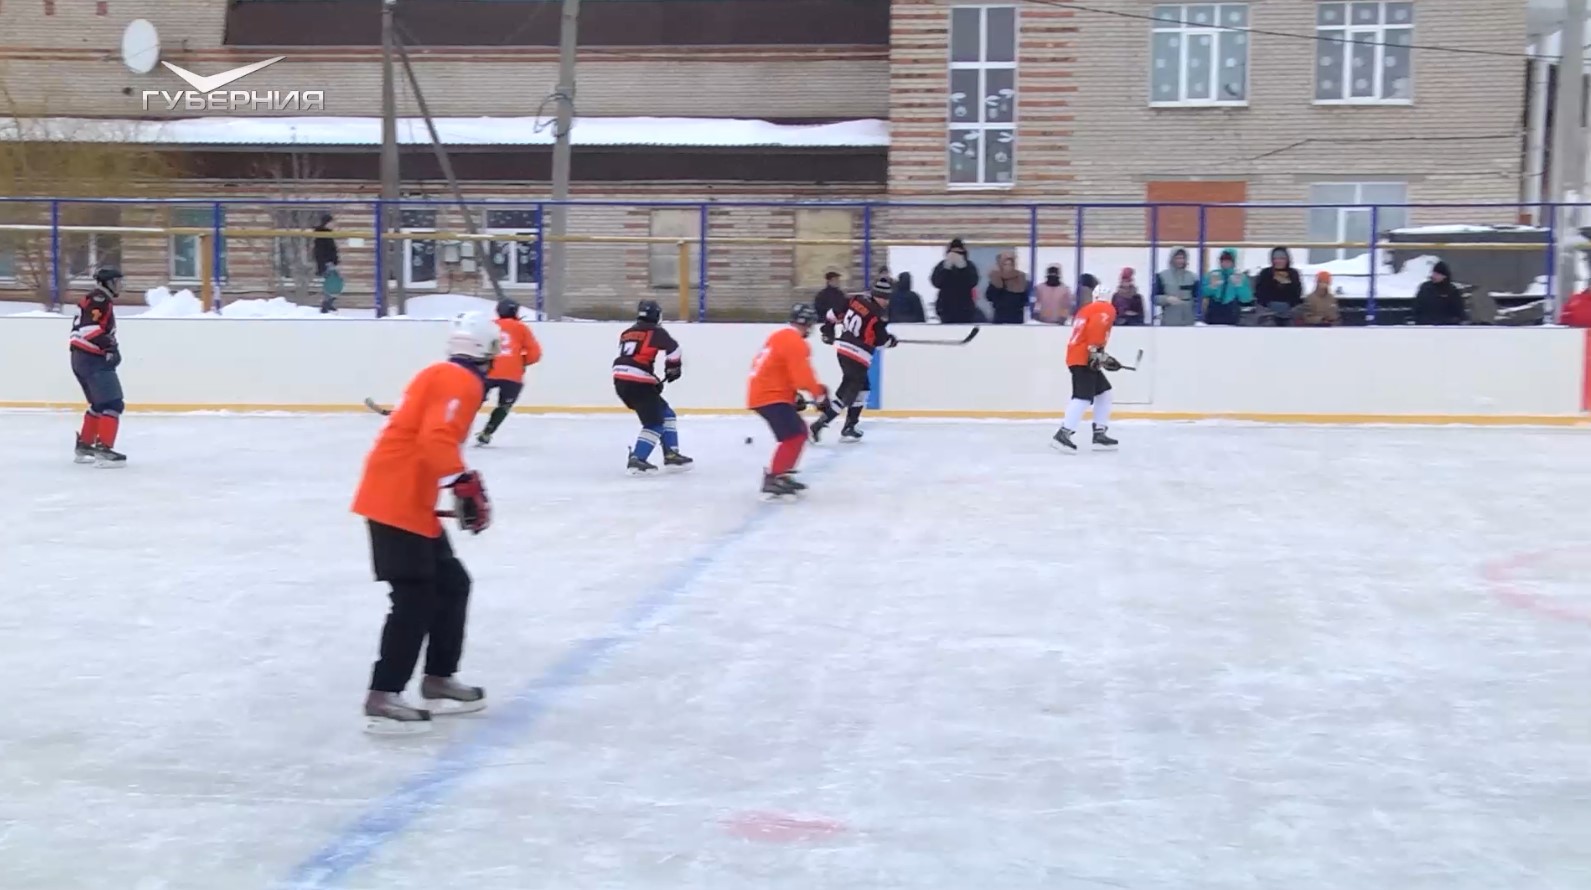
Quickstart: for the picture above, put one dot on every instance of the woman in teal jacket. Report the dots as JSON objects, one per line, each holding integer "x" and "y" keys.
{"x": 1227, "y": 291}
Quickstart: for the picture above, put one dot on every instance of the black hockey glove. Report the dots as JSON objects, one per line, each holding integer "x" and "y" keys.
{"x": 672, "y": 373}
{"x": 114, "y": 359}
{"x": 800, "y": 402}
{"x": 470, "y": 504}
{"x": 891, "y": 343}
{"x": 826, "y": 333}
{"x": 1109, "y": 362}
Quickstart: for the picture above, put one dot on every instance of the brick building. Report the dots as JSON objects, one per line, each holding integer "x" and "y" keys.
{"x": 1266, "y": 101}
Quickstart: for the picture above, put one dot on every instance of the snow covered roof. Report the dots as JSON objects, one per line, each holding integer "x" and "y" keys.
{"x": 364, "y": 131}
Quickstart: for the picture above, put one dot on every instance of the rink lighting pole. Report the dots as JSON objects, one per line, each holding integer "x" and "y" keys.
{"x": 1569, "y": 149}
{"x": 568, "y": 40}
{"x": 389, "y": 158}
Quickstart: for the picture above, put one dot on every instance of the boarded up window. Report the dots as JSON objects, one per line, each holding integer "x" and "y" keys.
{"x": 1180, "y": 225}
{"x": 674, "y": 222}
{"x": 813, "y": 261}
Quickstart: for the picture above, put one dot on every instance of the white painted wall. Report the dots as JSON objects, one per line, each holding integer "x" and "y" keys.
{"x": 220, "y": 363}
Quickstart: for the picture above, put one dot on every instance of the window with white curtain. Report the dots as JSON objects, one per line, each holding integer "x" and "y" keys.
{"x": 1342, "y": 222}
{"x": 981, "y": 143}
{"x": 1199, "y": 54}
{"x": 1364, "y": 52}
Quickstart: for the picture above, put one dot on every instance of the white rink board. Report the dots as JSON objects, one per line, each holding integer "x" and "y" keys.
{"x": 335, "y": 363}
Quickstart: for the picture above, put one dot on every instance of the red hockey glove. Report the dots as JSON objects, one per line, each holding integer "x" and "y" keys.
{"x": 470, "y": 504}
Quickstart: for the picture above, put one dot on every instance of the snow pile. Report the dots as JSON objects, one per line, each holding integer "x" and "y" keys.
{"x": 275, "y": 307}
{"x": 447, "y": 306}
{"x": 163, "y": 303}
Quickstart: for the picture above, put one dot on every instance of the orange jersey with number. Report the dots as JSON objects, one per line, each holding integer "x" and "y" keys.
{"x": 1090, "y": 327}
{"x": 420, "y": 446}
{"x": 520, "y": 350}
{"x": 783, "y": 367}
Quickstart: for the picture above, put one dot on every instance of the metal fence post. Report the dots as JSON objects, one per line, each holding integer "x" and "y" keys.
{"x": 867, "y": 247}
{"x": 701, "y": 267}
{"x": 55, "y": 256}
{"x": 1033, "y": 244}
{"x": 1077, "y": 255}
{"x": 381, "y": 259}
{"x": 1374, "y": 257}
{"x": 217, "y": 251}
{"x": 1204, "y": 261}
{"x": 1154, "y": 258}
{"x": 541, "y": 261}
{"x": 1550, "y": 211}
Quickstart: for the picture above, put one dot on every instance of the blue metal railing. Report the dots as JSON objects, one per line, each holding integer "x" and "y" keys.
{"x": 1028, "y": 216}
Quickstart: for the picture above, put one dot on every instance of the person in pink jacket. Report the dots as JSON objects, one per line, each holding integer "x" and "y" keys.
{"x": 1052, "y": 300}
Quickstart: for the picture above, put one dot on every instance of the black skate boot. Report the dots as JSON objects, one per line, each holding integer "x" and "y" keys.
{"x": 386, "y": 713}
{"x": 1062, "y": 441}
{"x": 850, "y": 435}
{"x": 673, "y": 460}
{"x": 1102, "y": 441}
{"x": 444, "y": 696}
{"x": 776, "y": 488}
{"x": 485, "y": 438}
{"x": 790, "y": 481}
{"x": 82, "y": 454}
{"x": 817, "y": 428}
{"x": 639, "y": 466}
{"x": 106, "y": 459}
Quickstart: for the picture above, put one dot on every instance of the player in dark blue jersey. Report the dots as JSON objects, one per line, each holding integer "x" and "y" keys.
{"x": 95, "y": 355}
{"x": 636, "y": 382}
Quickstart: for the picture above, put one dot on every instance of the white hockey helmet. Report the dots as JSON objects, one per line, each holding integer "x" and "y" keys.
{"x": 474, "y": 336}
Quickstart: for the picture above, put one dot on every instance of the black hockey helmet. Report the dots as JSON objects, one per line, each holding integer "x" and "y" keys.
{"x": 801, "y": 313}
{"x": 507, "y": 308}
{"x": 649, "y": 311}
{"x": 109, "y": 279}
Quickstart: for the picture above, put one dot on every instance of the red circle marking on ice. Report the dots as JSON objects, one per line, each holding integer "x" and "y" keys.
{"x": 1502, "y": 578}
{"x": 781, "y": 828}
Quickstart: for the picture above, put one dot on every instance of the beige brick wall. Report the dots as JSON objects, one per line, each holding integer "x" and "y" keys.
{"x": 69, "y": 64}
{"x": 1087, "y": 131}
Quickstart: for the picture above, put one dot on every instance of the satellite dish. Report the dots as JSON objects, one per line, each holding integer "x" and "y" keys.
{"x": 140, "y": 46}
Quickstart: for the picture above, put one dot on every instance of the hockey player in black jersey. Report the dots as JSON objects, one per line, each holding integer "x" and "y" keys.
{"x": 642, "y": 392}
{"x": 862, "y": 330}
{"x": 95, "y": 356}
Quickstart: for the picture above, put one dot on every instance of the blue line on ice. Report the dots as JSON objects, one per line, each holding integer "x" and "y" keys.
{"x": 509, "y": 723}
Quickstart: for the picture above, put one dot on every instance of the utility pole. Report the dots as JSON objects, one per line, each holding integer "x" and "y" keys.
{"x": 1569, "y": 149}
{"x": 568, "y": 41}
{"x": 393, "y": 261}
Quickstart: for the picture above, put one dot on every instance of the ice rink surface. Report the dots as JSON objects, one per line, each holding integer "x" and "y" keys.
{"x": 1225, "y": 657}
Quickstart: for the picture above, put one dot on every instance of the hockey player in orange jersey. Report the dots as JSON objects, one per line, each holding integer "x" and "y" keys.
{"x": 1087, "y": 361}
{"x": 779, "y": 374}
{"x": 507, "y": 373}
{"x": 418, "y": 455}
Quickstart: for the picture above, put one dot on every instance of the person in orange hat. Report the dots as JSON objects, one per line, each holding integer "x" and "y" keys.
{"x": 1320, "y": 309}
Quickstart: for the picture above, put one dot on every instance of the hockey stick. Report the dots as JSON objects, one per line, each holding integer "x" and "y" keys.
{"x": 1138, "y": 360}
{"x": 371, "y": 404}
{"x": 962, "y": 342}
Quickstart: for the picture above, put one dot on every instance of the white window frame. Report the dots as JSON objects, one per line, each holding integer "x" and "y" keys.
{"x": 1186, "y": 33}
{"x": 512, "y": 274}
{"x": 408, "y": 258}
{"x": 198, "y": 263}
{"x": 93, "y": 255}
{"x": 1358, "y": 203}
{"x": 982, "y": 66}
{"x": 1378, "y": 38}
{"x": 300, "y": 218}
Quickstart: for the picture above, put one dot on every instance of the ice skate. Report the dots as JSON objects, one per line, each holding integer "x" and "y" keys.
{"x": 850, "y": 435}
{"x": 106, "y": 459}
{"x": 673, "y": 460}
{"x": 386, "y": 713}
{"x": 778, "y": 488}
{"x": 1062, "y": 441}
{"x": 82, "y": 454}
{"x": 815, "y": 431}
{"x": 792, "y": 483}
{"x": 484, "y": 438}
{"x": 639, "y": 466}
{"x": 445, "y": 696}
{"x": 1103, "y": 442}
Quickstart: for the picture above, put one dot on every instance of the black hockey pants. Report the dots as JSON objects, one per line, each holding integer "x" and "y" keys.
{"x": 430, "y": 596}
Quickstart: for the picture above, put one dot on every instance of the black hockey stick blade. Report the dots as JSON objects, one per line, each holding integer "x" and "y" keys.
{"x": 1137, "y": 360}
{"x": 371, "y": 404}
{"x": 962, "y": 342}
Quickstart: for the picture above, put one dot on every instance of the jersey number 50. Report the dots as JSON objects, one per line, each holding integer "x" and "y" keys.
{"x": 852, "y": 324}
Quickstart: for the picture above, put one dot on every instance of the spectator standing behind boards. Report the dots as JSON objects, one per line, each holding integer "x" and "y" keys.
{"x": 906, "y": 306}
{"x": 1086, "y": 285}
{"x": 1052, "y": 299}
{"x": 956, "y": 277}
{"x": 830, "y": 304}
{"x": 1319, "y": 309}
{"x": 1176, "y": 291}
{"x": 1008, "y": 291}
{"x": 1277, "y": 288}
{"x": 1439, "y": 301}
{"x": 324, "y": 252}
{"x": 1227, "y": 291}
{"x": 1128, "y": 302}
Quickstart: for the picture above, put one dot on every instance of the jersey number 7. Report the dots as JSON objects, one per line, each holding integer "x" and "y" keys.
{"x": 760, "y": 360}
